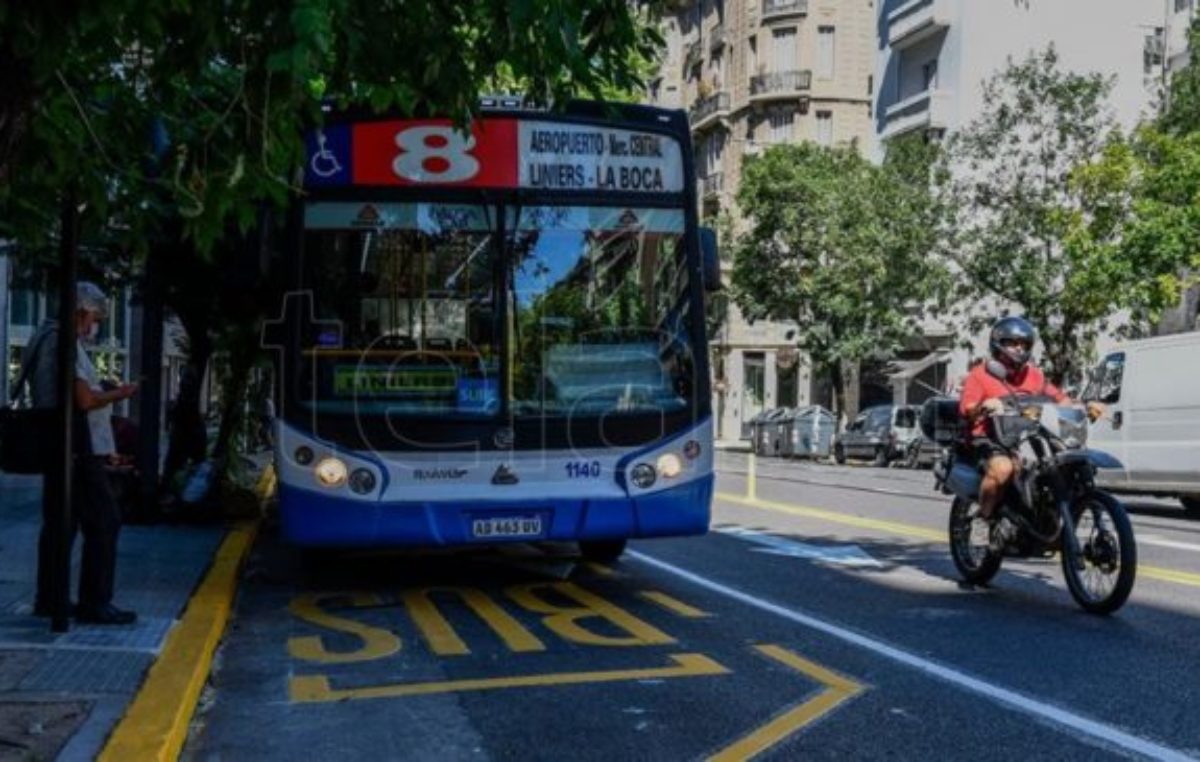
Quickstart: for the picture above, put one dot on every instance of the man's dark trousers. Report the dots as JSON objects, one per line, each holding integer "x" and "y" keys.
{"x": 96, "y": 514}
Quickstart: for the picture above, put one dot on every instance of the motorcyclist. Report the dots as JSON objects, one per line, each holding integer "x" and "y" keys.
{"x": 1009, "y": 373}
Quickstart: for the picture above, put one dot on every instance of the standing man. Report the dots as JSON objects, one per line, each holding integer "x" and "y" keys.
{"x": 94, "y": 508}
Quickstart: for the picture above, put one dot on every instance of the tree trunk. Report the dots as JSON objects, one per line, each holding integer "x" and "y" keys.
{"x": 242, "y": 350}
{"x": 189, "y": 437}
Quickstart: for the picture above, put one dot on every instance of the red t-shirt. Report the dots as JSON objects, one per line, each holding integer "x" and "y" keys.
{"x": 981, "y": 385}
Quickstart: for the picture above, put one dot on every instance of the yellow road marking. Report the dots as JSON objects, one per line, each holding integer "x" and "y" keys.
{"x": 156, "y": 723}
{"x": 674, "y": 605}
{"x": 564, "y": 620}
{"x": 751, "y": 477}
{"x": 601, "y": 569}
{"x": 316, "y": 688}
{"x": 442, "y": 638}
{"x": 922, "y": 533}
{"x": 377, "y": 643}
{"x": 838, "y": 689}
{"x": 893, "y": 527}
{"x": 1169, "y": 575}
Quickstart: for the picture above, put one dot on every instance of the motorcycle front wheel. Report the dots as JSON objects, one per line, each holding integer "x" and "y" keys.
{"x": 976, "y": 562}
{"x": 1101, "y": 574}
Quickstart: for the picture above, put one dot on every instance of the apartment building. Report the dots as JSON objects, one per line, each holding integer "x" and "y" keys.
{"x": 752, "y": 73}
{"x": 934, "y": 55}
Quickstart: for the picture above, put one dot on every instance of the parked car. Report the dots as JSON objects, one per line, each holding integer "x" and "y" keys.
{"x": 1153, "y": 421}
{"x": 880, "y": 434}
{"x": 922, "y": 451}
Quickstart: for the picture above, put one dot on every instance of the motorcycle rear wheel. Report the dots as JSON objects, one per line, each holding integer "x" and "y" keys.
{"x": 1101, "y": 576}
{"x": 976, "y": 564}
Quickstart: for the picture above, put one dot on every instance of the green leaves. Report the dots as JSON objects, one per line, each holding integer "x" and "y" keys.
{"x": 238, "y": 83}
{"x": 1042, "y": 180}
{"x": 842, "y": 247}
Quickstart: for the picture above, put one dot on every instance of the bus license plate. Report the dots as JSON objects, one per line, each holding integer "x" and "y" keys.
{"x": 506, "y": 527}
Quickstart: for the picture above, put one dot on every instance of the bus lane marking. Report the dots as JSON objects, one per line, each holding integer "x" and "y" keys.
{"x": 674, "y": 605}
{"x": 443, "y": 640}
{"x": 564, "y": 621}
{"x": 1085, "y": 728}
{"x": 377, "y": 643}
{"x": 836, "y": 691}
{"x": 317, "y": 688}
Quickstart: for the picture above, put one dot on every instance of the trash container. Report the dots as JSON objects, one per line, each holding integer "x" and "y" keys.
{"x": 784, "y": 429}
{"x": 764, "y": 433}
{"x": 810, "y": 433}
{"x": 777, "y": 426}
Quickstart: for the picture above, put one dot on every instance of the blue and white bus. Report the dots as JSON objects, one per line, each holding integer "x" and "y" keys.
{"x": 497, "y": 335}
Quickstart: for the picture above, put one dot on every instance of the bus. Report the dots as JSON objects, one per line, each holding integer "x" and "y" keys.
{"x": 495, "y": 332}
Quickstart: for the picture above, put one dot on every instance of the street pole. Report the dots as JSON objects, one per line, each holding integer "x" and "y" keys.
{"x": 3, "y": 326}
{"x": 59, "y": 516}
{"x": 150, "y": 392}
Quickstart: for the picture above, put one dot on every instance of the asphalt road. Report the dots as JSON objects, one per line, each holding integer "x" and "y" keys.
{"x": 821, "y": 618}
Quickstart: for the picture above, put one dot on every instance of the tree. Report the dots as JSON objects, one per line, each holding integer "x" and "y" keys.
{"x": 842, "y": 247}
{"x": 1182, "y": 112}
{"x": 156, "y": 111}
{"x": 179, "y": 126}
{"x": 1041, "y": 222}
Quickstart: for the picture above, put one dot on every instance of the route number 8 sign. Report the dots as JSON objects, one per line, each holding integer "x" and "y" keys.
{"x": 435, "y": 153}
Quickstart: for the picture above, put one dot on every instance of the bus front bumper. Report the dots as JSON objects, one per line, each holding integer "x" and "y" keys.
{"x": 313, "y": 519}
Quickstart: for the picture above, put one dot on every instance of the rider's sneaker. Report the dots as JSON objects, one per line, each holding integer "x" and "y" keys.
{"x": 1002, "y": 532}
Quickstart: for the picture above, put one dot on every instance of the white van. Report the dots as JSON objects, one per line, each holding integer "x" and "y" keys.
{"x": 1152, "y": 390}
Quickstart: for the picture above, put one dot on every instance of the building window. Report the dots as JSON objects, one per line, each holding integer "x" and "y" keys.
{"x": 781, "y": 125}
{"x": 825, "y": 52}
{"x": 825, "y": 128}
{"x": 22, "y": 306}
{"x": 784, "y": 51}
{"x": 1152, "y": 52}
{"x": 752, "y": 55}
{"x": 1183, "y": 5}
{"x": 929, "y": 73}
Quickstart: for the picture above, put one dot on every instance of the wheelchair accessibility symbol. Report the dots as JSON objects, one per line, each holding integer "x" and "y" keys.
{"x": 324, "y": 163}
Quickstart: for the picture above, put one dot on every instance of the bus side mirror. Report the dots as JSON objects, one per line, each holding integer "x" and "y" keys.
{"x": 710, "y": 259}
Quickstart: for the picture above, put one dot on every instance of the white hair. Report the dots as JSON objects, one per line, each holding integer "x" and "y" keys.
{"x": 88, "y": 296}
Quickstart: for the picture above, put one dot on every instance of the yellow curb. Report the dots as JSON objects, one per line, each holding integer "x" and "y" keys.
{"x": 156, "y": 724}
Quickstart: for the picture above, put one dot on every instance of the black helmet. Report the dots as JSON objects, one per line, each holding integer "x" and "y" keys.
{"x": 1007, "y": 330}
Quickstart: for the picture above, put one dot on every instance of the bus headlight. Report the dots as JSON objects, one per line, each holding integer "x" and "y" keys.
{"x": 691, "y": 450}
{"x": 643, "y": 476}
{"x": 669, "y": 465}
{"x": 362, "y": 481}
{"x": 330, "y": 472}
{"x": 303, "y": 455}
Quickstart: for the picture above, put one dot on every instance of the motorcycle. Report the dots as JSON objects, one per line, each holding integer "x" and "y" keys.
{"x": 1052, "y": 502}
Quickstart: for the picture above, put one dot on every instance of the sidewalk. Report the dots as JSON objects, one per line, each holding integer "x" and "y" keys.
{"x": 61, "y": 694}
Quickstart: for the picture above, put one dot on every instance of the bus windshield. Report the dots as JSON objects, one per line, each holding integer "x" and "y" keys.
{"x": 594, "y": 317}
{"x": 602, "y": 319}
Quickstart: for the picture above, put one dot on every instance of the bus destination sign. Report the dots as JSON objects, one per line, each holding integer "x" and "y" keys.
{"x": 498, "y": 153}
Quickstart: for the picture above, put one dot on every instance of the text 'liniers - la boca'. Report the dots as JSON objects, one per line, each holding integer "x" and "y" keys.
{"x": 555, "y": 170}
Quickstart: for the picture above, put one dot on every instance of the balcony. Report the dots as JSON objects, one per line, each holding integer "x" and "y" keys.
{"x": 779, "y": 9}
{"x": 780, "y": 85}
{"x": 693, "y": 56}
{"x": 927, "y": 110}
{"x": 718, "y": 39}
{"x": 711, "y": 185}
{"x": 917, "y": 20}
{"x": 707, "y": 111}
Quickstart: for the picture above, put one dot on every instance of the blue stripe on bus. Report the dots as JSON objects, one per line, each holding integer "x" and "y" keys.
{"x": 313, "y": 519}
